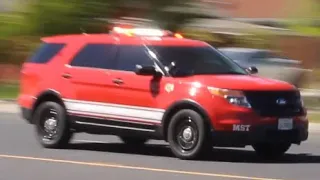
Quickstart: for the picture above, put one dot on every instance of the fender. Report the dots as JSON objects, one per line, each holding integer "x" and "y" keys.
{"x": 181, "y": 104}
{"x": 51, "y": 94}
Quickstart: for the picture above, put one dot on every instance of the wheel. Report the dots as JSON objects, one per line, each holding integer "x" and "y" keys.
{"x": 133, "y": 140}
{"x": 271, "y": 150}
{"x": 52, "y": 127}
{"x": 188, "y": 135}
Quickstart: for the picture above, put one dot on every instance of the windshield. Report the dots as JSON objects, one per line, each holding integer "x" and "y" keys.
{"x": 266, "y": 55}
{"x": 237, "y": 56}
{"x": 189, "y": 60}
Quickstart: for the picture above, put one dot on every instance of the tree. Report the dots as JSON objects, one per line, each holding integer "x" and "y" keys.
{"x": 42, "y": 17}
{"x": 33, "y": 19}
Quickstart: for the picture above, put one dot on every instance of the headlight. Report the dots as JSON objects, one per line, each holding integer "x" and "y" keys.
{"x": 232, "y": 96}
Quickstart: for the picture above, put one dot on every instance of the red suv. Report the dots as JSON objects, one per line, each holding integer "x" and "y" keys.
{"x": 142, "y": 84}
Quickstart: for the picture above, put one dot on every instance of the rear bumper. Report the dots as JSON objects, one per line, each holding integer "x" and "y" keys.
{"x": 26, "y": 114}
{"x": 261, "y": 133}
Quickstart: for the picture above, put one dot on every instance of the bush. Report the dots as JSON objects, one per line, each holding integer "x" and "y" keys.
{"x": 14, "y": 50}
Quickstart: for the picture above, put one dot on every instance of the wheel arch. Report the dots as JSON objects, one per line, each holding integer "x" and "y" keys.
{"x": 47, "y": 95}
{"x": 179, "y": 105}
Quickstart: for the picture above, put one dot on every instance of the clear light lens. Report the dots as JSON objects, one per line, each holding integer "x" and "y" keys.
{"x": 139, "y": 31}
{"x": 239, "y": 101}
{"x": 232, "y": 96}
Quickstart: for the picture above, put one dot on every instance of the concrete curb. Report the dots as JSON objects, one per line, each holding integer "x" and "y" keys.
{"x": 314, "y": 127}
{"x": 7, "y": 101}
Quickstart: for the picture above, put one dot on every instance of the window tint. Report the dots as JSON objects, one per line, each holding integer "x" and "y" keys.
{"x": 263, "y": 57}
{"x": 46, "y": 52}
{"x": 188, "y": 61}
{"x": 130, "y": 56}
{"x": 95, "y": 56}
{"x": 236, "y": 56}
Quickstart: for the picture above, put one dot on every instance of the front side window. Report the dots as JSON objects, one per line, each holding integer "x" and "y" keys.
{"x": 95, "y": 56}
{"x": 188, "y": 61}
{"x": 131, "y": 56}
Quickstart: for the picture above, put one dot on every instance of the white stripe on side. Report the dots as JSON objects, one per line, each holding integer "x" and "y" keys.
{"x": 114, "y": 126}
{"x": 114, "y": 118}
{"x": 150, "y": 115}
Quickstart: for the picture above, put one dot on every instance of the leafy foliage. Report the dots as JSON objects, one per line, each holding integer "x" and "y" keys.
{"x": 21, "y": 29}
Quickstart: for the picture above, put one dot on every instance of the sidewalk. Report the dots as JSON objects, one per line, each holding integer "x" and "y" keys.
{"x": 12, "y": 107}
{"x": 8, "y": 107}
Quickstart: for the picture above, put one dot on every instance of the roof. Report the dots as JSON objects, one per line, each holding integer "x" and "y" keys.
{"x": 100, "y": 38}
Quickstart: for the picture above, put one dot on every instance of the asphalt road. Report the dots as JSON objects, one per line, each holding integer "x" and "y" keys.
{"x": 105, "y": 157}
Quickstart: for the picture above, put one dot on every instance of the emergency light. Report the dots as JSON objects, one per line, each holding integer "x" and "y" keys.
{"x": 144, "y": 32}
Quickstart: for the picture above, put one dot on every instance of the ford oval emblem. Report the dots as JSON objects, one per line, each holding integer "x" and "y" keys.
{"x": 281, "y": 101}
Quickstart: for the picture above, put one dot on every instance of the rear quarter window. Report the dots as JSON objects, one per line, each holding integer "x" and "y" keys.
{"x": 46, "y": 52}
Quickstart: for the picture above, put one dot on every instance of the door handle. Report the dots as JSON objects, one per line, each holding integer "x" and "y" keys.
{"x": 117, "y": 81}
{"x": 66, "y": 76}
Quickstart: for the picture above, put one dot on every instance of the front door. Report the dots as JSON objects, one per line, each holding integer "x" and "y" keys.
{"x": 137, "y": 96}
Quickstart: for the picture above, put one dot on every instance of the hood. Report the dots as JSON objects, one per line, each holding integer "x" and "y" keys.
{"x": 242, "y": 82}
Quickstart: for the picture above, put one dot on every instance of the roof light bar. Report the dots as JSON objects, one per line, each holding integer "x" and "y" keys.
{"x": 148, "y": 32}
{"x": 144, "y": 32}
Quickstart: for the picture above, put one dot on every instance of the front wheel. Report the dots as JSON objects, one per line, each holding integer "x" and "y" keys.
{"x": 188, "y": 135}
{"x": 271, "y": 150}
{"x": 52, "y": 127}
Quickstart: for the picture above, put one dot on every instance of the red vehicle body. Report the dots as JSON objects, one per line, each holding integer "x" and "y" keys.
{"x": 225, "y": 109}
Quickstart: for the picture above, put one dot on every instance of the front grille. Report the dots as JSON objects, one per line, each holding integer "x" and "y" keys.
{"x": 265, "y": 103}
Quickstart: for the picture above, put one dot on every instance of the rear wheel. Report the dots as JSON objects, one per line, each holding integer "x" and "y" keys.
{"x": 52, "y": 127}
{"x": 188, "y": 135}
{"x": 271, "y": 150}
{"x": 133, "y": 140}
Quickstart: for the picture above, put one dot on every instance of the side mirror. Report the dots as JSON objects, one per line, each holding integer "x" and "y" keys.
{"x": 252, "y": 70}
{"x": 147, "y": 71}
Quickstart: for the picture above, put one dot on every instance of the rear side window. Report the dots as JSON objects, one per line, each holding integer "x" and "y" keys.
{"x": 46, "y": 52}
{"x": 95, "y": 56}
{"x": 131, "y": 56}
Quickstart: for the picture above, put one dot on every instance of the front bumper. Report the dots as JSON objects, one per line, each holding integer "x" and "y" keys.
{"x": 261, "y": 133}
{"x": 26, "y": 114}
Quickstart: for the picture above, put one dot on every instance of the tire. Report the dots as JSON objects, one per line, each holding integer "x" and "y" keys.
{"x": 133, "y": 140}
{"x": 62, "y": 135}
{"x": 181, "y": 143}
{"x": 271, "y": 150}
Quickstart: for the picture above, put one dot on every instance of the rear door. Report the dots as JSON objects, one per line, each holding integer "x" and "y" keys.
{"x": 89, "y": 76}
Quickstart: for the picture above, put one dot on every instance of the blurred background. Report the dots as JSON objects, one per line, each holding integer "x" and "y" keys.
{"x": 280, "y": 37}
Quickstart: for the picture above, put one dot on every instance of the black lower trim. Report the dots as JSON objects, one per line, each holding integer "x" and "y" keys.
{"x": 113, "y": 127}
{"x": 258, "y": 134}
{"x": 26, "y": 114}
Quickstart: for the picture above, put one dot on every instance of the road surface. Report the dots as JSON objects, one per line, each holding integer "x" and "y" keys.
{"x": 105, "y": 157}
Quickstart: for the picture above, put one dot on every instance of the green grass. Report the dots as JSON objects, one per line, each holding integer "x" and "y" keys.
{"x": 9, "y": 91}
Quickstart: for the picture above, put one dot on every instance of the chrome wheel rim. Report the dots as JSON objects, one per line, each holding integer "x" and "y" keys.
{"x": 49, "y": 124}
{"x": 186, "y": 134}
